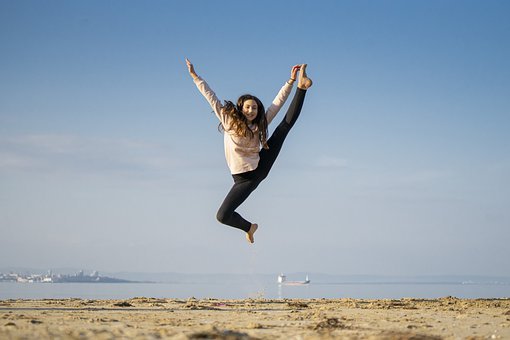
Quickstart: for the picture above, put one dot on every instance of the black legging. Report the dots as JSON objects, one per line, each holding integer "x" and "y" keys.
{"x": 246, "y": 182}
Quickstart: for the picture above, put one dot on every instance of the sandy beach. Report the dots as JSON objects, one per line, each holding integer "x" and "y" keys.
{"x": 152, "y": 318}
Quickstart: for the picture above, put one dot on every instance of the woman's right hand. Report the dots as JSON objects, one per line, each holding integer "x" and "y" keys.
{"x": 294, "y": 71}
{"x": 191, "y": 69}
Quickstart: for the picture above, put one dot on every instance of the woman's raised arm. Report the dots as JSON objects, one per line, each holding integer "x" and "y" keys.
{"x": 208, "y": 93}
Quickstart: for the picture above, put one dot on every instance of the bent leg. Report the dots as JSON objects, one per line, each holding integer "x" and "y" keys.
{"x": 239, "y": 192}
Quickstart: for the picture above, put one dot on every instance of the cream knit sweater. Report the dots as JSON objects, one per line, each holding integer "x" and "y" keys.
{"x": 241, "y": 153}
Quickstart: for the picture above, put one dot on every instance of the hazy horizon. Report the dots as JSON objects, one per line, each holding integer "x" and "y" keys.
{"x": 218, "y": 277}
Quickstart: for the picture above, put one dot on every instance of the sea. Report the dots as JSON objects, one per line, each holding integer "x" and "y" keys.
{"x": 264, "y": 287}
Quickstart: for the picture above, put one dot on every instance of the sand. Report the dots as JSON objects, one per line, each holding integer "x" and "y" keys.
{"x": 151, "y": 318}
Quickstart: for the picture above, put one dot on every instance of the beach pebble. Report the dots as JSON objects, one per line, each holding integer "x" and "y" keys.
{"x": 214, "y": 333}
{"x": 297, "y": 304}
{"x": 254, "y": 325}
{"x": 330, "y": 323}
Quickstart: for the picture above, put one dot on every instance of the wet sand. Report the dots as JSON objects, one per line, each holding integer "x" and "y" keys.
{"x": 151, "y": 318}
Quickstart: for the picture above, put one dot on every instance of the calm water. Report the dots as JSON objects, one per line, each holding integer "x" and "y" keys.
{"x": 11, "y": 290}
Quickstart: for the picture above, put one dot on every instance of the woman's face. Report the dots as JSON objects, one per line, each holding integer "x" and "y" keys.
{"x": 250, "y": 109}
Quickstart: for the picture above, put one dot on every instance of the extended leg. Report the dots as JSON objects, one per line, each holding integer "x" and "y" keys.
{"x": 275, "y": 142}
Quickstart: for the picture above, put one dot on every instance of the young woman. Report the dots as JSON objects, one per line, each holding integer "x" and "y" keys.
{"x": 245, "y": 131}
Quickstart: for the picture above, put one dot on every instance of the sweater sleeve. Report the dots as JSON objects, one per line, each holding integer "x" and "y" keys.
{"x": 278, "y": 102}
{"x": 212, "y": 99}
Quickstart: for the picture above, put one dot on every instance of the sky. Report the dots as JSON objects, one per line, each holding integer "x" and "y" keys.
{"x": 110, "y": 159}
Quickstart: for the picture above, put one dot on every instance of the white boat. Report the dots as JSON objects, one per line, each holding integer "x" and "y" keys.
{"x": 282, "y": 280}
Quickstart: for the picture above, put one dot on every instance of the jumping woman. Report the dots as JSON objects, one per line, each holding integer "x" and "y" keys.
{"x": 245, "y": 130}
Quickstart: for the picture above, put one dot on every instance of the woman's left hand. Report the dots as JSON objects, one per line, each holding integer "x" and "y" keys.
{"x": 191, "y": 69}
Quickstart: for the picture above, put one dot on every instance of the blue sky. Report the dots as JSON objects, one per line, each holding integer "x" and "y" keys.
{"x": 399, "y": 164}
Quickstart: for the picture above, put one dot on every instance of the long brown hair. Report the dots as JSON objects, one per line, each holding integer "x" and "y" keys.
{"x": 240, "y": 123}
